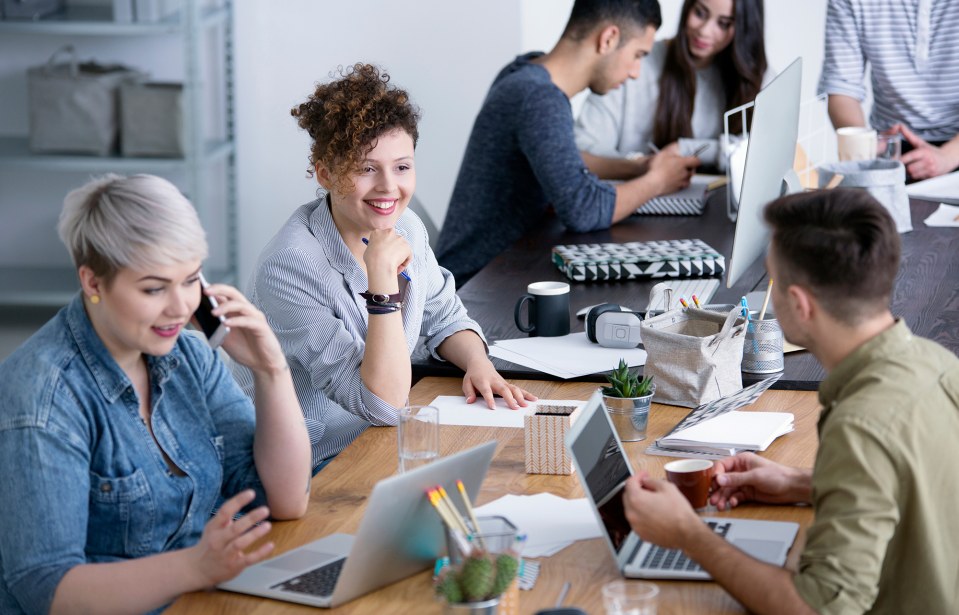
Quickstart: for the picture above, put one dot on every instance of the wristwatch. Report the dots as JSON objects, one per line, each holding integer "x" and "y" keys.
{"x": 383, "y": 300}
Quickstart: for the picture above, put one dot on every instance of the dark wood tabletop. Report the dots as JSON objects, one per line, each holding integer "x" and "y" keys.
{"x": 926, "y": 293}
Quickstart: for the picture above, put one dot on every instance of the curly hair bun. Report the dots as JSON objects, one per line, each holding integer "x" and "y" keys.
{"x": 346, "y": 116}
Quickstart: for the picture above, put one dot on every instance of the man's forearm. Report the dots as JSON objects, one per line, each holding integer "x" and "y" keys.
{"x": 630, "y": 195}
{"x": 845, "y": 111}
{"x": 614, "y": 168}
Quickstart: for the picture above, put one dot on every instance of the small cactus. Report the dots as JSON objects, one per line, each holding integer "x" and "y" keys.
{"x": 448, "y": 587}
{"x": 480, "y": 577}
{"x": 506, "y": 567}
{"x": 476, "y": 577}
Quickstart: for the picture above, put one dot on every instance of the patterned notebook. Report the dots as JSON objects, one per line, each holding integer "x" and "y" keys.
{"x": 675, "y": 258}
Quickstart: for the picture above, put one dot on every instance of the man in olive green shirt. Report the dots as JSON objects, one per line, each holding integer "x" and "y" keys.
{"x": 885, "y": 485}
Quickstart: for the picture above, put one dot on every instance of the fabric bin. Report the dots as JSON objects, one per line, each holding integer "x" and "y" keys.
{"x": 884, "y": 179}
{"x": 151, "y": 119}
{"x": 73, "y": 106}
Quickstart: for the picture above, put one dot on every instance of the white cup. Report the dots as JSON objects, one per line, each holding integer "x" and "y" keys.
{"x": 857, "y": 143}
{"x": 417, "y": 436}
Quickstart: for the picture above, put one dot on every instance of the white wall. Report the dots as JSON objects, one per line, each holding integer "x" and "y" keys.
{"x": 445, "y": 53}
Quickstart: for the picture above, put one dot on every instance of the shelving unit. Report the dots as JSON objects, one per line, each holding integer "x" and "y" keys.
{"x": 190, "y": 27}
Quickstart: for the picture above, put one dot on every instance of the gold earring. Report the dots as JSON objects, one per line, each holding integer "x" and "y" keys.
{"x": 94, "y": 299}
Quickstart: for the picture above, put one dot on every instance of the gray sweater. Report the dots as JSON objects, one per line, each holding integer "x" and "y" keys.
{"x": 520, "y": 160}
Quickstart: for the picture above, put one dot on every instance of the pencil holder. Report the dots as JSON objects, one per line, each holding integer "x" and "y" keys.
{"x": 545, "y": 439}
{"x": 484, "y": 581}
{"x": 763, "y": 346}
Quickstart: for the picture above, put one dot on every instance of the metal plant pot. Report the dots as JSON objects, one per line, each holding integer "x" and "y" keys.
{"x": 486, "y": 607}
{"x": 630, "y": 415}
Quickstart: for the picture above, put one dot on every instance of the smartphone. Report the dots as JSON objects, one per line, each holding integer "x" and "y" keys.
{"x": 213, "y": 327}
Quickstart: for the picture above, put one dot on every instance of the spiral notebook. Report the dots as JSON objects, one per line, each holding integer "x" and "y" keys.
{"x": 691, "y": 201}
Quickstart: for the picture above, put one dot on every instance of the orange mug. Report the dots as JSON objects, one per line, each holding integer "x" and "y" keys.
{"x": 694, "y": 478}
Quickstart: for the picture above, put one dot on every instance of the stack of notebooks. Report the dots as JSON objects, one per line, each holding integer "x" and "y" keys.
{"x": 675, "y": 258}
{"x": 717, "y": 429}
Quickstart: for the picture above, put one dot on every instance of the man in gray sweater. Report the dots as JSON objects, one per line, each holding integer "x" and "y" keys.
{"x": 522, "y": 159}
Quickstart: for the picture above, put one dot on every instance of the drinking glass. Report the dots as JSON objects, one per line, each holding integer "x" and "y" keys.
{"x": 418, "y": 436}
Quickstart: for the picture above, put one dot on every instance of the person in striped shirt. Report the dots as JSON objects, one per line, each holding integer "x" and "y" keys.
{"x": 910, "y": 48}
{"x": 350, "y": 284}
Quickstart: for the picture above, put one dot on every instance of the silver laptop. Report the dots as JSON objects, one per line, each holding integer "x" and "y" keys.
{"x": 400, "y": 535}
{"x": 602, "y": 468}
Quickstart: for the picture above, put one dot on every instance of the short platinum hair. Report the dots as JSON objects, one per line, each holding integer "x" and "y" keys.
{"x": 142, "y": 221}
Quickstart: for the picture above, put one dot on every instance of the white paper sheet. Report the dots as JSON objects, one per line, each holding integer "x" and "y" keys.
{"x": 946, "y": 215}
{"x": 546, "y": 534}
{"x": 568, "y": 356}
{"x": 944, "y": 188}
{"x": 455, "y": 411}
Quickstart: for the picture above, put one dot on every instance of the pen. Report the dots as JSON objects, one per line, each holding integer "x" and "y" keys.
{"x": 402, "y": 273}
{"x": 653, "y": 147}
{"x": 699, "y": 150}
{"x": 696, "y": 301}
{"x": 682, "y": 300}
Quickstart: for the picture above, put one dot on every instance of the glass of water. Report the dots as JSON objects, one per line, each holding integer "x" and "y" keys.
{"x": 630, "y": 598}
{"x": 418, "y": 436}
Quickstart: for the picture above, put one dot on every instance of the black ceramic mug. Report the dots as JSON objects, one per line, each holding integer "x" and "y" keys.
{"x": 548, "y": 309}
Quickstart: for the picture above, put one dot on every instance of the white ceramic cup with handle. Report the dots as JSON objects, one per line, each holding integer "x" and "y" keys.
{"x": 857, "y": 143}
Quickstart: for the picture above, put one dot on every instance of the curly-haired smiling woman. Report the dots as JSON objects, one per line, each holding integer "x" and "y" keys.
{"x": 350, "y": 283}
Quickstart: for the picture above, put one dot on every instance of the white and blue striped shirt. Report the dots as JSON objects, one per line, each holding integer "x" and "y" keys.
{"x": 308, "y": 283}
{"x": 912, "y": 47}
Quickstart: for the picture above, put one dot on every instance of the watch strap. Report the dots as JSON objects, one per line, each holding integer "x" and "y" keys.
{"x": 383, "y": 299}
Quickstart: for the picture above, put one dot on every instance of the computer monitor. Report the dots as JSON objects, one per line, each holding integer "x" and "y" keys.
{"x": 768, "y": 172}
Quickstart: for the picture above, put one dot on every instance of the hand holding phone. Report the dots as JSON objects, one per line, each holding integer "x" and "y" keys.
{"x": 213, "y": 327}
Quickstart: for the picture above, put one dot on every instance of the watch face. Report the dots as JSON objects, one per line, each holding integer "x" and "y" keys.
{"x": 380, "y": 298}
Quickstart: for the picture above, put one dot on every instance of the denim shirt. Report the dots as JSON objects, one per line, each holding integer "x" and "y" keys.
{"x": 84, "y": 481}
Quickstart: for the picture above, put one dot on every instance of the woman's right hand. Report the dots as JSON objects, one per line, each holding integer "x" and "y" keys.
{"x": 672, "y": 171}
{"x": 386, "y": 255}
{"x": 221, "y": 553}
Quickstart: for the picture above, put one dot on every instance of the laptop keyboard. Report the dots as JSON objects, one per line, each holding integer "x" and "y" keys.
{"x": 317, "y": 582}
{"x": 659, "y": 558}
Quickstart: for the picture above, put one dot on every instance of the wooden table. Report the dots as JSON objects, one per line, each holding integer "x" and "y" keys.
{"x": 926, "y": 293}
{"x": 340, "y": 492}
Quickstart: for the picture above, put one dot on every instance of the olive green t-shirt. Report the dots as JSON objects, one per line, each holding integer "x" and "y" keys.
{"x": 886, "y": 482}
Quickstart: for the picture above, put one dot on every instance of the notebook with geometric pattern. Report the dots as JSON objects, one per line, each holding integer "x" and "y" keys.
{"x": 673, "y": 258}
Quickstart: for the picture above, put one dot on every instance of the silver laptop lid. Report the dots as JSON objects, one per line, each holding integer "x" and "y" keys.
{"x": 401, "y": 534}
{"x": 602, "y": 468}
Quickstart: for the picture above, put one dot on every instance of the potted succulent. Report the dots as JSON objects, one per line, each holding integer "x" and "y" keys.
{"x": 475, "y": 585}
{"x": 627, "y": 400}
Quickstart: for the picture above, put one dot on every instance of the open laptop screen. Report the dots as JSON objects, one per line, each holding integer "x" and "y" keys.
{"x": 605, "y": 470}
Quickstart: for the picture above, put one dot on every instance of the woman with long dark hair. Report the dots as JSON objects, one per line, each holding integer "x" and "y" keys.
{"x": 716, "y": 61}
